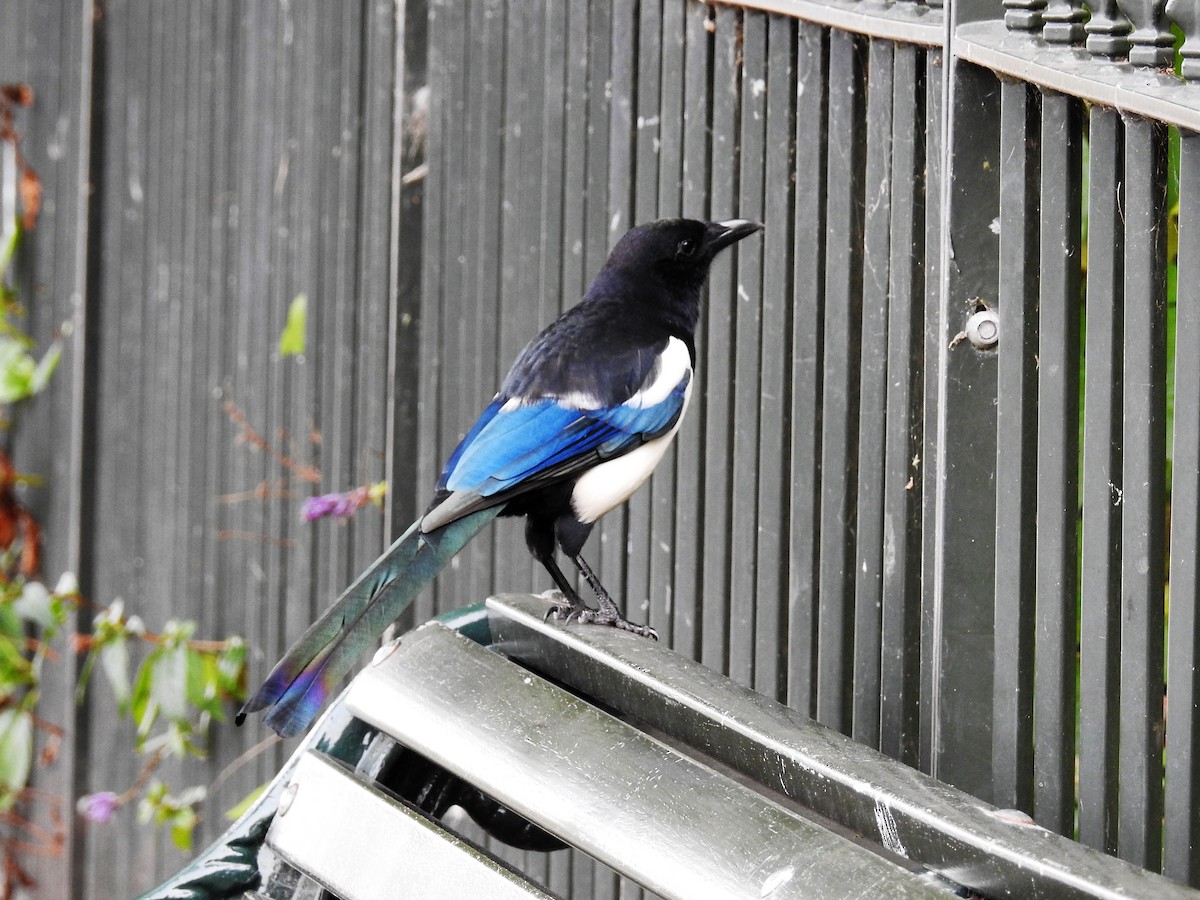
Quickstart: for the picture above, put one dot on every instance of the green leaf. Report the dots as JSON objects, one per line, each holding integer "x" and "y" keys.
{"x": 16, "y": 753}
{"x": 168, "y": 687}
{"x": 246, "y": 802}
{"x": 141, "y": 705}
{"x": 181, "y": 829}
{"x": 291, "y": 342}
{"x": 231, "y": 669}
{"x": 9, "y": 248}
{"x": 16, "y": 371}
{"x": 114, "y": 660}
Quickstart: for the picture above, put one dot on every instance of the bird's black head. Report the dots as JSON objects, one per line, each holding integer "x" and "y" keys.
{"x": 678, "y": 251}
{"x": 657, "y": 270}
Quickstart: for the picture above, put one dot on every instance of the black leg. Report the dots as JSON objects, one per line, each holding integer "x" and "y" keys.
{"x": 575, "y": 608}
{"x": 539, "y": 537}
{"x": 608, "y": 614}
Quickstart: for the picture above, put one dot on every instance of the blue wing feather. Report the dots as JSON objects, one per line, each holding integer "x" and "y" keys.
{"x": 514, "y": 445}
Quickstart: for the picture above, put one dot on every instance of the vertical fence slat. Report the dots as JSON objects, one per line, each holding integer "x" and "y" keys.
{"x": 808, "y": 283}
{"x": 1143, "y": 477}
{"x": 496, "y": 95}
{"x": 770, "y": 619}
{"x": 687, "y": 600}
{"x": 1058, "y": 452}
{"x": 747, "y": 352}
{"x": 640, "y": 602}
{"x": 960, "y": 435}
{"x": 449, "y": 55}
{"x": 719, "y": 336}
{"x": 665, "y": 500}
{"x": 839, "y": 401}
{"x": 613, "y": 533}
{"x": 508, "y": 157}
{"x": 1016, "y": 405}
{"x": 1100, "y": 578}
{"x": 574, "y": 277}
{"x": 1181, "y": 850}
{"x": 429, "y": 323}
{"x": 901, "y": 587}
{"x": 872, "y": 422}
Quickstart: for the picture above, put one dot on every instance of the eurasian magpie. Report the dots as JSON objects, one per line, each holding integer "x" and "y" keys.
{"x": 581, "y": 420}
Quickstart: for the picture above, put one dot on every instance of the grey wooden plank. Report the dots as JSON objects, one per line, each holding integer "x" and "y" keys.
{"x": 1143, "y": 500}
{"x": 117, "y": 447}
{"x": 1058, "y": 455}
{"x": 926, "y": 462}
{"x": 509, "y": 209}
{"x": 553, "y": 162}
{"x": 612, "y": 534}
{"x": 442, "y": 61}
{"x": 375, "y": 72}
{"x": 960, "y": 446}
{"x": 407, "y": 242}
{"x": 1181, "y": 843}
{"x": 221, "y": 81}
{"x": 667, "y": 502}
{"x": 599, "y": 112}
{"x": 492, "y": 107}
{"x": 839, "y": 399}
{"x": 450, "y": 302}
{"x": 770, "y": 589}
{"x": 686, "y": 598}
{"x": 807, "y": 300}
{"x": 332, "y": 282}
{"x": 647, "y": 127}
{"x": 1016, "y": 405}
{"x": 576, "y": 147}
{"x": 50, "y": 47}
{"x": 719, "y": 331}
{"x": 901, "y": 588}
{"x": 873, "y": 374}
{"x": 1100, "y": 578}
{"x": 747, "y": 354}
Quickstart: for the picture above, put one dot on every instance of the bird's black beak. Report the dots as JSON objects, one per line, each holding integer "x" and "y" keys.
{"x": 721, "y": 234}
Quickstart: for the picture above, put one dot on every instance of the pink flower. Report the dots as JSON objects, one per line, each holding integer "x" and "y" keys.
{"x": 341, "y": 506}
{"x": 99, "y": 807}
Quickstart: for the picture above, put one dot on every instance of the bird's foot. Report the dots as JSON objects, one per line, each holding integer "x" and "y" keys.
{"x": 614, "y": 619}
{"x": 567, "y": 609}
{"x": 574, "y": 609}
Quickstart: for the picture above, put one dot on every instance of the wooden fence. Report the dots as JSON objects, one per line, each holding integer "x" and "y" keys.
{"x": 873, "y": 514}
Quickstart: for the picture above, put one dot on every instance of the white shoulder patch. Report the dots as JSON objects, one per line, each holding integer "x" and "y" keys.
{"x": 573, "y": 400}
{"x": 672, "y": 366}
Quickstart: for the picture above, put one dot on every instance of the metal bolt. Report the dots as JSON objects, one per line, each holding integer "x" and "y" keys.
{"x": 983, "y": 329}
{"x": 286, "y": 798}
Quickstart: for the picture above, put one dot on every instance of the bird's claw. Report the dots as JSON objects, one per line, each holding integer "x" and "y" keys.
{"x": 615, "y": 620}
{"x": 566, "y": 612}
{"x": 585, "y": 615}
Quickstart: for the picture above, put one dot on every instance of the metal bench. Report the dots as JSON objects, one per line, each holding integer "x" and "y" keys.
{"x": 672, "y": 775}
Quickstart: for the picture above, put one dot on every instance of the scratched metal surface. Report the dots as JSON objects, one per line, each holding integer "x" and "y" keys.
{"x": 662, "y": 819}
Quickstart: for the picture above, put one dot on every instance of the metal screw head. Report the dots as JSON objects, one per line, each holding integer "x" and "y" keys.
{"x": 983, "y": 329}
{"x": 286, "y": 798}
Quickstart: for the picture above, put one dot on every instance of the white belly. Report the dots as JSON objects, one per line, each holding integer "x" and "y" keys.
{"x": 611, "y": 483}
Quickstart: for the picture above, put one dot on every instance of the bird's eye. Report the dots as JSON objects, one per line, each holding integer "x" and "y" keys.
{"x": 685, "y": 249}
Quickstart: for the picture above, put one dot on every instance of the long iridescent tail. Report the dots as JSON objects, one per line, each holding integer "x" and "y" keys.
{"x": 301, "y": 682}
